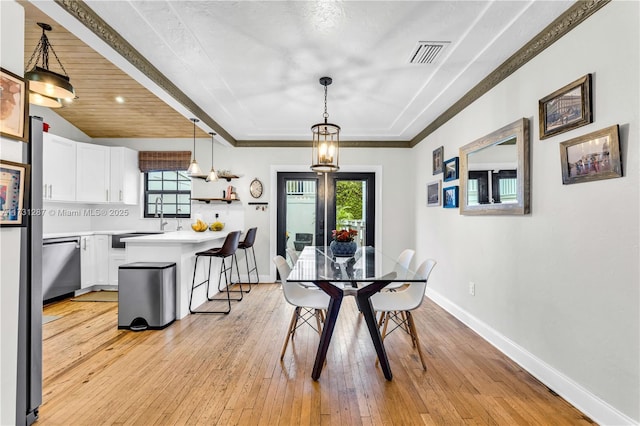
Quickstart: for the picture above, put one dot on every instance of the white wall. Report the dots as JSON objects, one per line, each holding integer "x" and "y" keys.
{"x": 250, "y": 163}
{"x": 12, "y": 57}
{"x": 559, "y": 286}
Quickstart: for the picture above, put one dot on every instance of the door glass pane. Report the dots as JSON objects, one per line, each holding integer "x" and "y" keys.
{"x": 301, "y": 214}
{"x": 351, "y": 196}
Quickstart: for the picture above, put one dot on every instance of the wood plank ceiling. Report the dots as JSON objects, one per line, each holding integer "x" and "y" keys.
{"x": 97, "y": 82}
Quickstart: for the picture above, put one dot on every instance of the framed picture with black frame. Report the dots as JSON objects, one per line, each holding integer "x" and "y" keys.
{"x": 451, "y": 169}
{"x": 450, "y": 197}
{"x": 14, "y": 191}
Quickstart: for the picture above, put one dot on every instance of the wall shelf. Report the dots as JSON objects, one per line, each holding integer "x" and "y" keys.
{"x": 227, "y": 178}
{"x": 208, "y": 200}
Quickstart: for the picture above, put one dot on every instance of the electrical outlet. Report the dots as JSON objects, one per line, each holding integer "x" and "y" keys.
{"x": 472, "y": 288}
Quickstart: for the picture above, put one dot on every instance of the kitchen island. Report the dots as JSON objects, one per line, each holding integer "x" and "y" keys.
{"x": 180, "y": 247}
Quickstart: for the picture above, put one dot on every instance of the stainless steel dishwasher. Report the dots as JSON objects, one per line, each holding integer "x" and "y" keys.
{"x": 60, "y": 266}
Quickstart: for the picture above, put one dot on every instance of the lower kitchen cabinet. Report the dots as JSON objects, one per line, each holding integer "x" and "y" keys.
{"x": 102, "y": 259}
{"x": 94, "y": 260}
{"x": 115, "y": 260}
{"x": 87, "y": 261}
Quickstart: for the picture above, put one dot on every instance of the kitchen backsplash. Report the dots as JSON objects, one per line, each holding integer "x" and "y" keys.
{"x": 62, "y": 217}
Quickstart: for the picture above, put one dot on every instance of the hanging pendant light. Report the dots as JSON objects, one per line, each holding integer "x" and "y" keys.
{"x": 194, "y": 168}
{"x": 212, "y": 176}
{"x": 45, "y": 101}
{"x": 41, "y": 79}
{"x": 326, "y": 140}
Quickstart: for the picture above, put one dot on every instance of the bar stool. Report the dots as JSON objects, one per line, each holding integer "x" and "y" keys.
{"x": 245, "y": 245}
{"x": 228, "y": 249}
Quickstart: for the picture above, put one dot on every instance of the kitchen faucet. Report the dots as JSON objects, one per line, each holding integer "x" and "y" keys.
{"x": 162, "y": 221}
{"x": 179, "y": 226}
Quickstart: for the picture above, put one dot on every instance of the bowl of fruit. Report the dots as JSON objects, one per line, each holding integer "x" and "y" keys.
{"x": 199, "y": 226}
{"x": 216, "y": 226}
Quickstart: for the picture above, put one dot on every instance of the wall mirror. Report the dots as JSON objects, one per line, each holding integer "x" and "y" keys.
{"x": 494, "y": 172}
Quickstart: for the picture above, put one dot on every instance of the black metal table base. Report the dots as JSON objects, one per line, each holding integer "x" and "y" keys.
{"x": 362, "y": 296}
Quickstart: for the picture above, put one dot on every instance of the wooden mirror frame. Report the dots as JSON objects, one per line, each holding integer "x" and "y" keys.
{"x": 520, "y": 130}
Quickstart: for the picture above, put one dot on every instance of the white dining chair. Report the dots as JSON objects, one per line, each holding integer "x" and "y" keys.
{"x": 390, "y": 303}
{"x": 308, "y": 302}
{"x": 402, "y": 264}
{"x": 293, "y": 256}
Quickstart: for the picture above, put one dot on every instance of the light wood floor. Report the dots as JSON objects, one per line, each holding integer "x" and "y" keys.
{"x": 226, "y": 370}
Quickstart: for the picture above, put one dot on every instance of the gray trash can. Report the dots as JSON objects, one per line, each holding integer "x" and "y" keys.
{"x": 146, "y": 295}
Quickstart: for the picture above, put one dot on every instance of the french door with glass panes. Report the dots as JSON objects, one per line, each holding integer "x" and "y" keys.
{"x": 302, "y": 198}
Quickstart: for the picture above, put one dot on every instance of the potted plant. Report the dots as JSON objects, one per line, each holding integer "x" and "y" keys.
{"x": 343, "y": 244}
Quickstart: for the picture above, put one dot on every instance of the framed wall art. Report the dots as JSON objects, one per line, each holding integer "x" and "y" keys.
{"x": 14, "y": 189}
{"x": 590, "y": 157}
{"x": 450, "y": 197}
{"x": 433, "y": 193}
{"x": 14, "y": 106}
{"x": 438, "y": 158}
{"x": 566, "y": 108}
{"x": 451, "y": 169}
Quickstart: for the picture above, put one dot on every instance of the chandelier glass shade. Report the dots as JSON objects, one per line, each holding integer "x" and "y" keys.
{"x": 194, "y": 168}
{"x": 42, "y": 80}
{"x": 325, "y": 149}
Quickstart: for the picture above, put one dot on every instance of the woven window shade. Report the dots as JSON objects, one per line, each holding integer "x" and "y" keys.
{"x": 149, "y": 161}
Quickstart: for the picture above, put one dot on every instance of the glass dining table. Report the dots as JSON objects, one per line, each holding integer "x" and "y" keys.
{"x": 362, "y": 275}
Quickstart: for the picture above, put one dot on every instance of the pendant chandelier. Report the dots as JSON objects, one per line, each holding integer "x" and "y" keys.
{"x": 212, "y": 176}
{"x": 194, "y": 168}
{"x": 326, "y": 140}
{"x": 46, "y": 87}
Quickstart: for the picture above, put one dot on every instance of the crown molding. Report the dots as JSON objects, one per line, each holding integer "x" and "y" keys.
{"x": 570, "y": 19}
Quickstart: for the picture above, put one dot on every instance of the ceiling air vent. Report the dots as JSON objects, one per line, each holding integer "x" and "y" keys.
{"x": 426, "y": 52}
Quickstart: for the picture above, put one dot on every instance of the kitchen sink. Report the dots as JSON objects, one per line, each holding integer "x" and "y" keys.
{"x": 116, "y": 239}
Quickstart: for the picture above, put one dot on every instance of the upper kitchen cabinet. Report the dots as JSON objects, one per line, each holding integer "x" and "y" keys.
{"x": 59, "y": 168}
{"x": 92, "y": 168}
{"x": 125, "y": 176}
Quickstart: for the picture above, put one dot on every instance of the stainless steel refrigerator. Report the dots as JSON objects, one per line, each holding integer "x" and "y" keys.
{"x": 29, "y": 368}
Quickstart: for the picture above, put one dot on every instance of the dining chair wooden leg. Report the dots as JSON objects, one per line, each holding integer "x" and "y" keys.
{"x": 290, "y": 331}
{"x": 295, "y": 322}
{"x": 414, "y": 335}
{"x": 317, "y": 314}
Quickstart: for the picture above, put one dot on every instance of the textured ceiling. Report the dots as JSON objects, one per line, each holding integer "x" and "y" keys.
{"x": 250, "y": 70}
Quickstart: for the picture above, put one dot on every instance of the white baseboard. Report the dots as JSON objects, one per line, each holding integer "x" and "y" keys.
{"x": 594, "y": 407}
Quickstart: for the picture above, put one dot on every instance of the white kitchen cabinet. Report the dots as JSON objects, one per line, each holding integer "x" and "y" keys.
{"x": 87, "y": 261}
{"x": 94, "y": 260}
{"x": 59, "y": 168}
{"x": 125, "y": 176}
{"x": 92, "y": 170}
{"x": 101, "y": 269}
{"x": 115, "y": 260}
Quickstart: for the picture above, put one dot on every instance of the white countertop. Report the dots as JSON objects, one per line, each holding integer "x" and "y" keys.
{"x": 84, "y": 233}
{"x": 177, "y": 237}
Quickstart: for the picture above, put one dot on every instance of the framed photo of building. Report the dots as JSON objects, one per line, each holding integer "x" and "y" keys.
{"x": 438, "y": 158}
{"x": 566, "y": 108}
{"x": 433, "y": 193}
{"x": 14, "y": 188}
{"x": 451, "y": 169}
{"x": 14, "y": 106}
{"x": 450, "y": 197}
{"x": 590, "y": 157}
